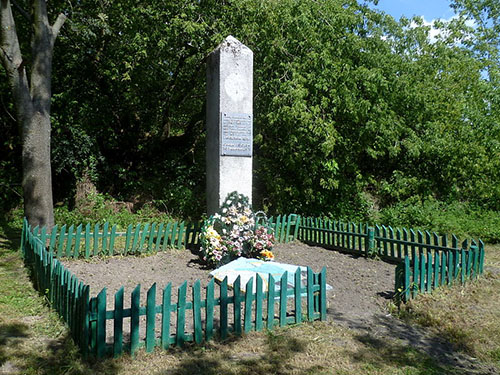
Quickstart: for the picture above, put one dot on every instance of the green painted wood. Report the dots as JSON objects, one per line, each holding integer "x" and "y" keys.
{"x": 429, "y": 271}
{"x": 43, "y": 237}
{"x": 406, "y": 292}
{"x": 398, "y": 245}
{"x": 270, "y": 301}
{"x": 87, "y": 241}
{"x": 159, "y": 236}
{"x": 128, "y": 238}
{"x": 405, "y": 245}
{"x": 105, "y": 235}
{"x": 85, "y": 312}
{"x": 391, "y": 243}
{"x": 134, "y": 319}
{"x": 96, "y": 240}
{"x": 475, "y": 268}
{"x": 481, "y": 257}
{"x": 151, "y": 236}
{"x": 174, "y": 234}
{"x": 259, "y": 300}
{"x": 198, "y": 329}
{"x": 143, "y": 234}
{"x": 150, "y": 318}
{"x": 297, "y": 226}
{"x": 101, "y": 324}
{"x": 454, "y": 241}
{"x": 413, "y": 249}
{"x": 422, "y": 273}
{"x": 416, "y": 274}
{"x": 469, "y": 262}
{"x": 288, "y": 225}
{"x": 360, "y": 238}
{"x": 112, "y": 241}
{"x": 181, "y": 314}
{"x": 168, "y": 231}
{"x": 450, "y": 270}
{"x": 118, "y": 323}
{"x": 420, "y": 241}
{"x": 456, "y": 265}
{"x": 463, "y": 266}
{"x": 283, "y": 298}
{"x": 93, "y": 327}
{"x": 436, "y": 269}
{"x": 223, "y": 309}
{"x": 444, "y": 262}
{"x": 298, "y": 297}
{"x": 180, "y": 236}
{"x": 137, "y": 235}
{"x": 69, "y": 241}
{"x": 165, "y": 316}
{"x": 370, "y": 242}
{"x": 342, "y": 228}
{"x": 62, "y": 237}
{"x": 78, "y": 238}
{"x": 237, "y": 305}
{"x": 322, "y": 294}
{"x": 209, "y": 311}
{"x": 247, "y": 325}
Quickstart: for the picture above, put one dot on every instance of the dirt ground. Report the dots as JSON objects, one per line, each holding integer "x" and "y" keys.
{"x": 361, "y": 287}
{"x": 362, "y": 291}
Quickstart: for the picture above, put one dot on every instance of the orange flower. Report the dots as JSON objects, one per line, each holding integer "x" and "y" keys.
{"x": 267, "y": 254}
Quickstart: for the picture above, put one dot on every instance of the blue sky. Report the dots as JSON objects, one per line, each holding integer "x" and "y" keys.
{"x": 429, "y": 9}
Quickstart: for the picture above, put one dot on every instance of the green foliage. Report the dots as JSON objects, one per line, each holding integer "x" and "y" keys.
{"x": 354, "y": 112}
{"x": 462, "y": 219}
{"x": 100, "y": 208}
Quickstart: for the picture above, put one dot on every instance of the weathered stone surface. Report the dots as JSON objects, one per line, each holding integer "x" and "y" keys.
{"x": 229, "y": 95}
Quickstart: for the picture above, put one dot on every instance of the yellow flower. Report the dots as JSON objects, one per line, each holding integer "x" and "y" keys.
{"x": 267, "y": 254}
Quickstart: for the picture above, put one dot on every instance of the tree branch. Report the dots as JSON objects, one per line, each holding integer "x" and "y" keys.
{"x": 21, "y": 10}
{"x": 61, "y": 18}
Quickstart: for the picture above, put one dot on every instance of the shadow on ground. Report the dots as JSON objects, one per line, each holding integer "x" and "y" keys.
{"x": 275, "y": 359}
{"x": 388, "y": 340}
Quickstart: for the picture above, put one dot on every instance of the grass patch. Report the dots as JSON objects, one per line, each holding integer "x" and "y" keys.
{"x": 467, "y": 316}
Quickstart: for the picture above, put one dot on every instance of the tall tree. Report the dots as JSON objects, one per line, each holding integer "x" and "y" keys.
{"x": 32, "y": 100}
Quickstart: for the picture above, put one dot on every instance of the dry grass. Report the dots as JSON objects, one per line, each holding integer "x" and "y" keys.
{"x": 468, "y": 316}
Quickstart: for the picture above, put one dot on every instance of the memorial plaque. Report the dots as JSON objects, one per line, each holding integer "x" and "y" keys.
{"x": 236, "y": 134}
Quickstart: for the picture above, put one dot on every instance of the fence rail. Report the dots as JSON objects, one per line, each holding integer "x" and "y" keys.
{"x": 252, "y": 308}
{"x": 430, "y": 270}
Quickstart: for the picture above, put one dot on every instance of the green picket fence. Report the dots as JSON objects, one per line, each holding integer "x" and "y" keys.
{"x": 105, "y": 240}
{"x": 391, "y": 244}
{"x": 66, "y": 294}
{"x": 430, "y": 270}
{"x": 285, "y": 227}
{"x": 252, "y": 308}
{"x": 86, "y": 241}
{"x": 424, "y": 260}
{"x": 346, "y": 237}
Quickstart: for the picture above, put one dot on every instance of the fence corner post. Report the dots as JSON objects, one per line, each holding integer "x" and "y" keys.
{"x": 370, "y": 242}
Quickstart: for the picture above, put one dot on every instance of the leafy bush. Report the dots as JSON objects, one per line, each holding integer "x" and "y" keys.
{"x": 462, "y": 219}
{"x": 234, "y": 233}
{"x": 100, "y": 208}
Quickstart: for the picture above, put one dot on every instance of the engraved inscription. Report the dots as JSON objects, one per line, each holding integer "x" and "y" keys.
{"x": 236, "y": 134}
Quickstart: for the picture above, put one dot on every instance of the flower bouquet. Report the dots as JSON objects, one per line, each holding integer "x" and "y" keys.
{"x": 233, "y": 232}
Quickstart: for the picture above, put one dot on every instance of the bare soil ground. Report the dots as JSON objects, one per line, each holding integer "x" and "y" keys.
{"x": 360, "y": 299}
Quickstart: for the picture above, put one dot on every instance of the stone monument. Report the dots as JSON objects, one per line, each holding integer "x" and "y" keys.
{"x": 229, "y": 121}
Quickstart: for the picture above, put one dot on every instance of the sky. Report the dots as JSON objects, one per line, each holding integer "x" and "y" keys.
{"x": 429, "y": 9}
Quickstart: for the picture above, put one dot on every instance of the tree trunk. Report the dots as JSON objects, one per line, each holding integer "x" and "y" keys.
{"x": 32, "y": 101}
